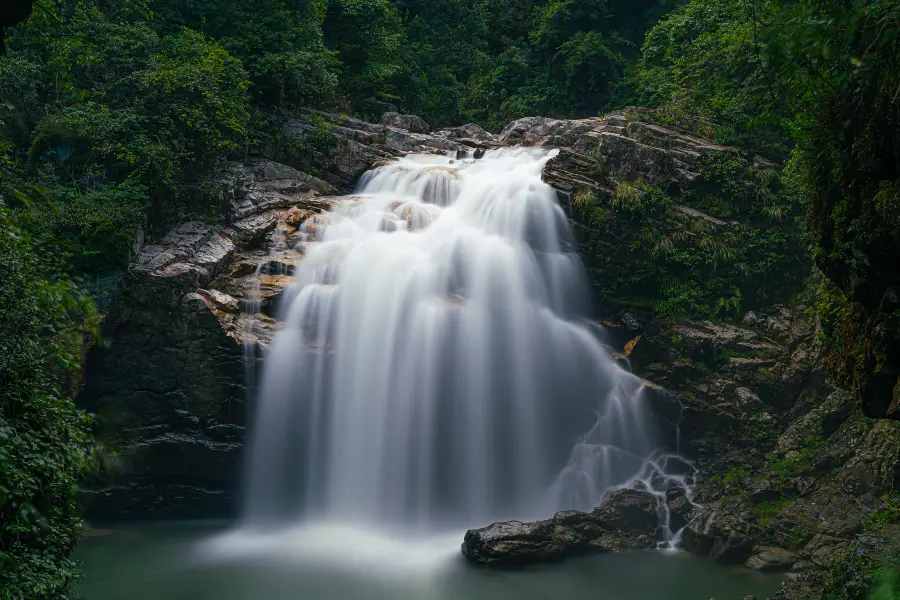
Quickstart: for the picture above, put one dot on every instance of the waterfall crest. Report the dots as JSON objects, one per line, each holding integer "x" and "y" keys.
{"x": 435, "y": 364}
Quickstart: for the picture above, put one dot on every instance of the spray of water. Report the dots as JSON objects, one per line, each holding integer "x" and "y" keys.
{"x": 435, "y": 366}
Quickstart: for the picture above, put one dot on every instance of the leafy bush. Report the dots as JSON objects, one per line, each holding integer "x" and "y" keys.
{"x": 44, "y": 440}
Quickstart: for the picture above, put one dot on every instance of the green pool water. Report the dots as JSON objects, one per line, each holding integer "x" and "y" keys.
{"x": 204, "y": 561}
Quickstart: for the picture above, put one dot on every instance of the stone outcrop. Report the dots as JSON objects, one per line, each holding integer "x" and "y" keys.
{"x": 358, "y": 145}
{"x": 624, "y": 144}
{"x": 410, "y": 123}
{"x": 627, "y": 520}
{"x": 168, "y": 384}
{"x": 790, "y": 471}
{"x": 257, "y": 185}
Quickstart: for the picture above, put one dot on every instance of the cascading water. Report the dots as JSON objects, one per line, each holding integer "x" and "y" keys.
{"x": 435, "y": 365}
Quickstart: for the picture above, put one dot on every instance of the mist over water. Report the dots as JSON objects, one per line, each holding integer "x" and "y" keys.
{"x": 436, "y": 366}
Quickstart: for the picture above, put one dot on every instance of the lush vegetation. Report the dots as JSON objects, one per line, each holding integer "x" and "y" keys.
{"x": 733, "y": 242}
{"x": 108, "y": 107}
{"x": 44, "y": 440}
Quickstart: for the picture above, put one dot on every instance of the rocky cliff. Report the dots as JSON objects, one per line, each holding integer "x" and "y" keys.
{"x": 169, "y": 384}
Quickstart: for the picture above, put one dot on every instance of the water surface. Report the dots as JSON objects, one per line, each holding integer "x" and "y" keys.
{"x": 200, "y": 562}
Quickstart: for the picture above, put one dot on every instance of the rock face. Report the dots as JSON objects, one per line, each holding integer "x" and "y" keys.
{"x": 358, "y": 145}
{"x": 410, "y": 123}
{"x": 790, "y": 469}
{"x": 259, "y": 185}
{"x": 628, "y": 519}
{"x": 168, "y": 384}
{"x": 624, "y": 144}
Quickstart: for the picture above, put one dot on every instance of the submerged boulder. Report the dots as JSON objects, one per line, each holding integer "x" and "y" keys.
{"x": 628, "y": 519}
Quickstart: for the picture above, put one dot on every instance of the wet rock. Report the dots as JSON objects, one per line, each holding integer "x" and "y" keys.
{"x": 681, "y": 511}
{"x": 702, "y": 336}
{"x": 772, "y": 560}
{"x": 515, "y": 543}
{"x": 168, "y": 388}
{"x": 631, "y": 322}
{"x": 629, "y": 511}
{"x": 358, "y": 145}
{"x": 740, "y": 362}
{"x": 544, "y": 131}
{"x": 875, "y": 463}
{"x": 746, "y": 399}
{"x": 410, "y": 123}
{"x": 628, "y": 519}
{"x": 825, "y": 550}
{"x": 168, "y": 383}
{"x": 220, "y": 301}
{"x": 764, "y": 490}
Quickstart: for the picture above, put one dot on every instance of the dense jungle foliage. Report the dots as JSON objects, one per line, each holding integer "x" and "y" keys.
{"x": 108, "y": 106}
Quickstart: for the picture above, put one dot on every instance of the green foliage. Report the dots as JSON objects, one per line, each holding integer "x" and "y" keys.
{"x": 44, "y": 440}
{"x": 690, "y": 261}
{"x": 768, "y": 511}
{"x": 733, "y": 480}
{"x": 561, "y": 58}
{"x": 103, "y": 142}
{"x": 708, "y": 60}
{"x": 634, "y": 197}
{"x": 799, "y": 462}
{"x": 366, "y": 35}
{"x": 279, "y": 42}
{"x": 888, "y": 514}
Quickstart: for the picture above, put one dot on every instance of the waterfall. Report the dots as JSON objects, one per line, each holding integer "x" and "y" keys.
{"x": 436, "y": 365}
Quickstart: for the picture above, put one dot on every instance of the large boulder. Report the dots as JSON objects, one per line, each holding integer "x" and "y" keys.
{"x": 821, "y": 422}
{"x": 681, "y": 510}
{"x": 544, "y": 131}
{"x": 628, "y": 519}
{"x": 722, "y": 531}
{"x": 629, "y": 511}
{"x": 771, "y": 560}
{"x": 410, "y": 123}
{"x": 470, "y": 132}
{"x": 513, "y": 542}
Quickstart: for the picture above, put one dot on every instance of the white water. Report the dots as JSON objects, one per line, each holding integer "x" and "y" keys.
{"x": 435, "y": 368}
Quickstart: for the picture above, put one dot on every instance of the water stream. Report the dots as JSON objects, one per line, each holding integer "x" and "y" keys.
{"x": 436, "y": 366}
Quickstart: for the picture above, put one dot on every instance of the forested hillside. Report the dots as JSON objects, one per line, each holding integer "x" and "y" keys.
{"x": 115, "y": 113}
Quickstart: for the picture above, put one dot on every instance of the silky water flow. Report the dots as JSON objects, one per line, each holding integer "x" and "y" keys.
{"x": 435, "y": 367}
